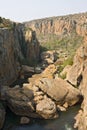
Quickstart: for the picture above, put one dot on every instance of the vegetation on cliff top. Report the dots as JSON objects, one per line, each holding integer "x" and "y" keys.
{"x": 6, "y": 23}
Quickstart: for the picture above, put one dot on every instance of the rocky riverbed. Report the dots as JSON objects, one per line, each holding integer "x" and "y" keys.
{"x": 64, "y": 122}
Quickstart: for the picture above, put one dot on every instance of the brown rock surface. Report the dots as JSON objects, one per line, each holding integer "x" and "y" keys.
{"x": 9, "y": 46}
{"x": 60, "y": 91}
{"x": 80, "y": 67}
{"x": 47, "y": 109}
{"x": 16, "y": 47}
{"x": 74, "y": 74}
{"x": 59, "y": 26}
{"x": 48, "y": 57}
{"x": 81, "y": 118}
{"x": 20, "y": 101}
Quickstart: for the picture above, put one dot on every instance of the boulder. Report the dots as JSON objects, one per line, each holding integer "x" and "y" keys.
{"x": 24, "y": 120}
{"x": 20, "y": 101}
{"x": 52, "y": 88}
{"x": 61, "y": 108}
{"x": 49, "y": 57}
{"x": 27, "y": 101}
{"x": 47, "y": 109}
{"x": 49, "y": 72}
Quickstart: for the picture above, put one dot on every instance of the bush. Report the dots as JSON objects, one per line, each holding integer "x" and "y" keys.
{"x": 63, "y": 76}
{"x": 68, "y": 61}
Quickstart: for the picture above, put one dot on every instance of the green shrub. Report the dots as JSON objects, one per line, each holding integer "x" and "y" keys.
{"x": 68, "y": 61}
{"x": 63, "y": 76}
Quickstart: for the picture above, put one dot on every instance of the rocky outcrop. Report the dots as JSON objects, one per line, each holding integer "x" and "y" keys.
{"x": 81, "y": 117}
{"x": 12, "y": 43}
{"x": 48, "y": 57}
{"x": 74, "y": 75}
{"x": 29, "y": 102}
{"x": 78, "y": 78}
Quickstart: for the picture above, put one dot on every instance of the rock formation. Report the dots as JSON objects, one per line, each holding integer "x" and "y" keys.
{"x": 41, "y": 97}
{"x": 60, "y": 25}
{"x": 17, "y": 47}
{"x": 78, "y": 78}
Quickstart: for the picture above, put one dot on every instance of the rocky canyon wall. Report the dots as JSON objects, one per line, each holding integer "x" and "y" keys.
{"x": 60, "y": 25}
{"x": 17, "y": 46}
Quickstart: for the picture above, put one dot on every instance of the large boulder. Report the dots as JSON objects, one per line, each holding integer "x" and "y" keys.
{"x": 59, "y": 90}
{"x": 47, "y": 109}
{"x": 20, "y": 101}
{"x": 29, "y": 100}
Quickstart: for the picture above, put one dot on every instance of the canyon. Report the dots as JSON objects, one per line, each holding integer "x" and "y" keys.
{"x": 23, "y": 44}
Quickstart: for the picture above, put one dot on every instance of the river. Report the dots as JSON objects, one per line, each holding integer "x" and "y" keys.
{"x": 64, "y": 122}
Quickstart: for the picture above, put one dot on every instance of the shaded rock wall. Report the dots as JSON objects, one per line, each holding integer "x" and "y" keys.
{"x": 17, "y": 47}
{"x": 9, "y": 51}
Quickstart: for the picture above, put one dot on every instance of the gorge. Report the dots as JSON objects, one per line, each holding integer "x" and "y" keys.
{"x": 22, "y": 47}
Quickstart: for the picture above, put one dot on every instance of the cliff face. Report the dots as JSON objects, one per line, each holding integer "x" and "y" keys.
{"x": 63, "y": 32}
{"x": 60, "y": 25}
{"x": 9, "y": 47}
{"x": 29, "y": 45}
{"x": 77, "y": 75}
{"x": 16, "y": 47}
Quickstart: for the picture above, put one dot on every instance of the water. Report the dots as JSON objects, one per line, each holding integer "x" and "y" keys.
{"x": 64, "y": 122}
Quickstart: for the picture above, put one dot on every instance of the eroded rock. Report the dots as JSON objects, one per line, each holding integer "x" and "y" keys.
{"x": 47, "y": 109}
{"x": 60, "y": 91}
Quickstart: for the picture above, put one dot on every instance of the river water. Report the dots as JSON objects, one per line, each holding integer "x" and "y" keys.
{"x": 64, "y": 122}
